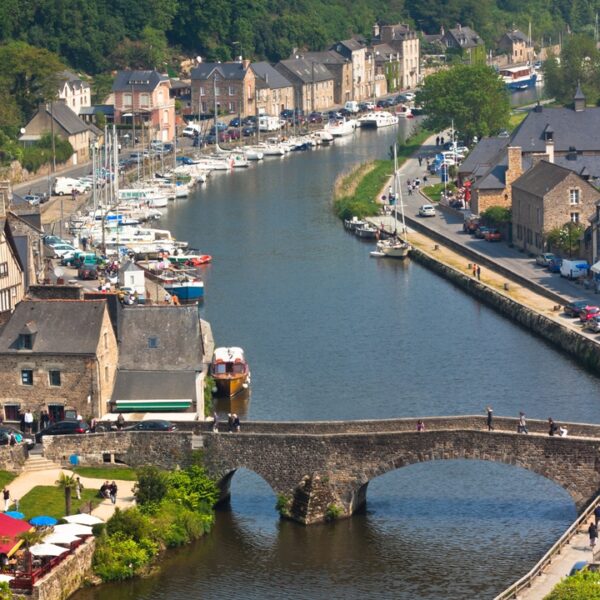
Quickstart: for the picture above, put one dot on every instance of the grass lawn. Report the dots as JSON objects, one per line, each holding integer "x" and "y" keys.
{"x": 112, "y": 472}
{"x": 434, "y": 192}
{"x": 50, "y": 500}
{"x": 6, "y": 478}
{"x": 515, "y": 119}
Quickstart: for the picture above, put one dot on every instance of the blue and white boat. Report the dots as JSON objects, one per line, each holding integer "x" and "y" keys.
{"x": 186, "y": 287}
{"x": 519, "y": 78}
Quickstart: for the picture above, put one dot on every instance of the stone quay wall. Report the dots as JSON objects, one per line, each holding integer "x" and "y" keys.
{"x": 584, "y": 349}
{"x": 12, "y": 458}
{"x": 134, "y": 448}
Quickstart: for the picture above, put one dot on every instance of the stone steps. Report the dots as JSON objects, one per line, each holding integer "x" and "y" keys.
{"x": 38, "y": 463}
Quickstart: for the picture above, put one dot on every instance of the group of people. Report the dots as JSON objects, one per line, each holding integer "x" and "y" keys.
{"x": 415, "y": 184}
{"x": 233, "y": 422}
{"x": 553, "y": 430}
{"x": 109, "y": 490}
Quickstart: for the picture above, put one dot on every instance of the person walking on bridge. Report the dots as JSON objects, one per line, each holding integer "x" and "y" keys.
{"x": 490, "y": 418}
{"x": 593, "y": 533}
{"x": 522, "y": 426}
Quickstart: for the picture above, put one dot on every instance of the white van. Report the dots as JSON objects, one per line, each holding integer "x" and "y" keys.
{"x": 267, "y": 123}
{"x": 67, "y": 185}
{"x": 192, "y": 130}
{"x": 572, "y": 269}
{"x": 351, "y": 106}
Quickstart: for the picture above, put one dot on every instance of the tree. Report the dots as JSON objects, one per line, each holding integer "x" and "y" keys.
{"x": 565, "y": 239}
{"x": 151, "y": 486}
{"x": 497, "y": 215}
{"x": 473, "y": 96}
{"x": 68, "y": 484}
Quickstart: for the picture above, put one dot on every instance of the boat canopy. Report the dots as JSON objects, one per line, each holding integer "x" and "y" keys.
{"x": 232, "y": 354}
{"x": 150, "y": 405}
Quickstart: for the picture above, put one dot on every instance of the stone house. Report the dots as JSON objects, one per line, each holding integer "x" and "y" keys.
{"x": 67, "y": 124}
{"x": 231, "y": 85}
{"x": 466, "y": 41}
{"x": 545, "y": 197}
{"x": 313, "y": 83}
{"x": 12, "y": 288}
{"x": 517, "y": 46}
{"x": 274, "y": 92}
{"x": 142, "y": 99}
{"x": 405, "y": 43}
{"x": 162, "y": 362}
{"x": 75, "y": 92}
{"x": 341, "y": 69}
{"x": 388, "y": 64}
{"x": 57, "y": 355}
{"x": 355, "y": 51}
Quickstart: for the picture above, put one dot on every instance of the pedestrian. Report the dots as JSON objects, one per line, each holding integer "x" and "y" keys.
{"x": 474, "y": 270}
{"x": 441, "y": 140}
{"x": 120, "y": 421}
{"x": 478, "y": 273}
{"x": 16, "y": 501}
{"x": 112, "y": 490}
{"x": 593, "y": 533}
{"x": 597, "y": 514}
{"x": 44, "y": 419}
{"x": 215, "y": 426}
{"x": 84, "y": 243}
{"x": 490, "y": 418}
{"x": 28, "y": 419}
{"x": 552, "y": 426}
{"x": 78, "y": 488}
{"x": 437, "y": 141}
{"x": 522, "y": 426}
{"x": 6, "y": 496}
{"x": 420, "y": 160}
{"x": 236, "y": 423}
{"x": 230, "y": 422}
{"x": 409, "y": 189}
{"x": 420, "y": 426}
{"x": 563, "y": 431}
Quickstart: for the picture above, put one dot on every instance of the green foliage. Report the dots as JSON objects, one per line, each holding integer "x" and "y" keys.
{"x": 131, "y": 523}
{"x": 471, "y": 95}
{"x": 579, "y": 63}
{"x": 108, "y": 472}
{"x": 67, "y": 483}
{"x": 5, "y": 591}
{"x": 497, "y": 215}
{"x": 151, "y": 487}
{"x": 282, "y": 506}
{"x": 118, "y": 557}
{"x": 565, "y": 239}
{"x": 333, "y": 512}
{"x": 192, "y": 488}
{"x": 434, "y": 192}
{"x": 40, "y": 153}
{"x": 584, "y": 585}
{"x": 209, "y": 383}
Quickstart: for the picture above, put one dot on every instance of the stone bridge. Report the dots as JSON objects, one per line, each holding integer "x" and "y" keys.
{"x": 321, "y": 470}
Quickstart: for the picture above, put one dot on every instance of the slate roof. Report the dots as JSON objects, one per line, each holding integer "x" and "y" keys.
{"x": 385, "y": 52}
{"x": 228, "y": 71}
{"x": 486, "y": 153}
{"x": 63, "y": 326}
{"x": 154, "y": 385}
{"x": 516, "y": 36}
{"x": 351, "y": 44}
{"x": 107, "y": 110}
{"x": 175, "y": 331}
{"x": 303, "y": 70}
{"x": 578, "y": 129}
{"x": 327, "y": 57}
{"x": 268, "y": 74}
{"x": 465, "y": 37}
{"x": 73, "y": 79}
{"x": 66, "y": 118}
{"x": 141, "y": 81}
{"x": 541, "y": 179}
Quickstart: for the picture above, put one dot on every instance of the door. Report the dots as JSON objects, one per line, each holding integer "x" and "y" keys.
{"x": 56, "y": 412}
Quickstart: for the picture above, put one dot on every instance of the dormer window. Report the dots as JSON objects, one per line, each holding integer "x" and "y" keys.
{"x": 25, "y": 341}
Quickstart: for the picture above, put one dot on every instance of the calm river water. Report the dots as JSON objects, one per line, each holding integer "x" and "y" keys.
{"x": 331, "y": 333}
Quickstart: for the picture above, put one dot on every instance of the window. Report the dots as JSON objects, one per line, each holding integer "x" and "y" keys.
{"x": 574, "y": 217}
{"x": 144, "y": 100}
{"x": 217, "y": 91}
{"x": 574, "y": 197}
{"x": 232, "y": 107}
{"x": 25, "y": 341}
{"x": 11, "y": 412}
{"x": 160, "y": 96}
{"x": 231, "y": 90}
{"x": 27, "y": 376}
{"x": 3, "y": 269}
{"x": 4, "y": 300}
{"x": 106, "y": 374}
{"x": 54, "y": 377}
{"x": 202, "y": 92}
{"x": 127, "y": 100}
{"x": 153, "y": 342}
{"x": 105, "y": 340}
{"x": 165, "y": 116}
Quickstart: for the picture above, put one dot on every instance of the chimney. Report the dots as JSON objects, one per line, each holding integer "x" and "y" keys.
{"x": 5, "y": 197}
{"x": 579, "y": 99}
{"x": 245, "y": 64}
{"x": 515, "y": 166}
{"x": 550, "y": 150}
{"x": 376, "y": 30}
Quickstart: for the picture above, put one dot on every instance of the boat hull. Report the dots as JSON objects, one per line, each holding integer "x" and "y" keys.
{"x": 185, "y": 293}
{"x": 230, "y": 386}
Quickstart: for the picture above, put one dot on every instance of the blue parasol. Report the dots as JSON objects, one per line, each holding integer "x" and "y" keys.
{"x": 43, "y": 521}
{"x": 15, "y": 514}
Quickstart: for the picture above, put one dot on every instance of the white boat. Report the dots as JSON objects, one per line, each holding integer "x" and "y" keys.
{"x": 271, "y": 150}
{"x": 395, "y": 246}
{"x": 519, "y": 78}
{"x": 253, "y": 153}
{"x": 341, "y": 127}
{"x": 378, "y": 119}
{"x": 404, "y": 112}
{"x": 323, "y": 136}
{"x": 150, "y": 196}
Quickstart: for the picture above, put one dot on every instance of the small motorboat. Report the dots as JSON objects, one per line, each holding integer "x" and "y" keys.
{"x": 230, "y": 371}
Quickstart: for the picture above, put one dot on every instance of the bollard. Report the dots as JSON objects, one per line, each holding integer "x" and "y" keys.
{"x": 436, "y": 247}
{"x": 506, "y": 287}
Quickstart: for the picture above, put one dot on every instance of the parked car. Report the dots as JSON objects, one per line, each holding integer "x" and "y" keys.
{"x": 588, "y": 312}
{"x": 251, "y": 120}
{"x": 493, "y": 235}
{"x": 471, "y": 224}
{"x": 369, "y": 105}
{"x": 235, "y": 122}
{"x": 61, "y": 249}
{"x": 287, "y": 113}
{"x": 63, "y": 428}
{"x": 315, "y": 117}
{"x": 544, "y": 259}
{"x": 408, "y": 96}
{"x": 152, "y": 425}
{"x": 52, "y": 240}
{"x": 593, "y": 324}
{"x": 384, "y": 103}
{"x": 427, "y": 210}
{"x": 249, "y": 131}
{"x": 234, "y": 134}
{"x": 33, "y": 199}
{"x": 572, "y": 309}
{"x": 20, "y": 437}
{"x": 481, "y": 231}
{"x": 555, "y": 264}
{"x": 87, "y": 272}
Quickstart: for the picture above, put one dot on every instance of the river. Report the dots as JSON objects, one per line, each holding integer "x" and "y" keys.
{"x": 331, "y": 333}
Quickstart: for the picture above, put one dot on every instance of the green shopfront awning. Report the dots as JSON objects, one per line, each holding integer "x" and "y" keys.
{"x": 149, "y": 405}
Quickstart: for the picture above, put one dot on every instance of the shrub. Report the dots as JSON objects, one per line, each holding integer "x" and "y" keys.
{"x": 192, "y": 488}
{"x": 333, "y": 512}
{"x": 282, "y": 505}
{"x": 118, "y": 557}
{"x": 151, "y": 486}
{"x": 131, "y": 523}
{"x": 496, "y": 215}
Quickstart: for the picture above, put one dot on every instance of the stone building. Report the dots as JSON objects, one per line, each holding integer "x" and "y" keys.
{"x": 341, "y": 69}
{"x": 313, "y": 83}
{"x": 355, "y": 51}
{"x": 142, "y": 99}
{"x": 465, "y": 41}
{"x": 12, "y": 288}
{"x": 274, "y": 92}
{"x": 231, "y": 85}
{"x": 74, "y": 91}
{"x": 406, "y": 50}
{"x": 162, "y": 362}
{"x": 545, "y": 197}
{"x": 517, "y": 46}
{"x": 57, "y": 355}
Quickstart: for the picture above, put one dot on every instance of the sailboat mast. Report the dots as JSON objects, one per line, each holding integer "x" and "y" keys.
{"x": 398, "y": 194}
{"x": 216, "y": 121}
{"x": 395, "y": 189}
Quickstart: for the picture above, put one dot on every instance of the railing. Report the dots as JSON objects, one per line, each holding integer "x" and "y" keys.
{"x": 526, "y": 581}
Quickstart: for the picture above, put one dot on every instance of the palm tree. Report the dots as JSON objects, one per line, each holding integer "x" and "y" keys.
{"x": 67, "y": 483}
{"x": 30, "y": 538}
